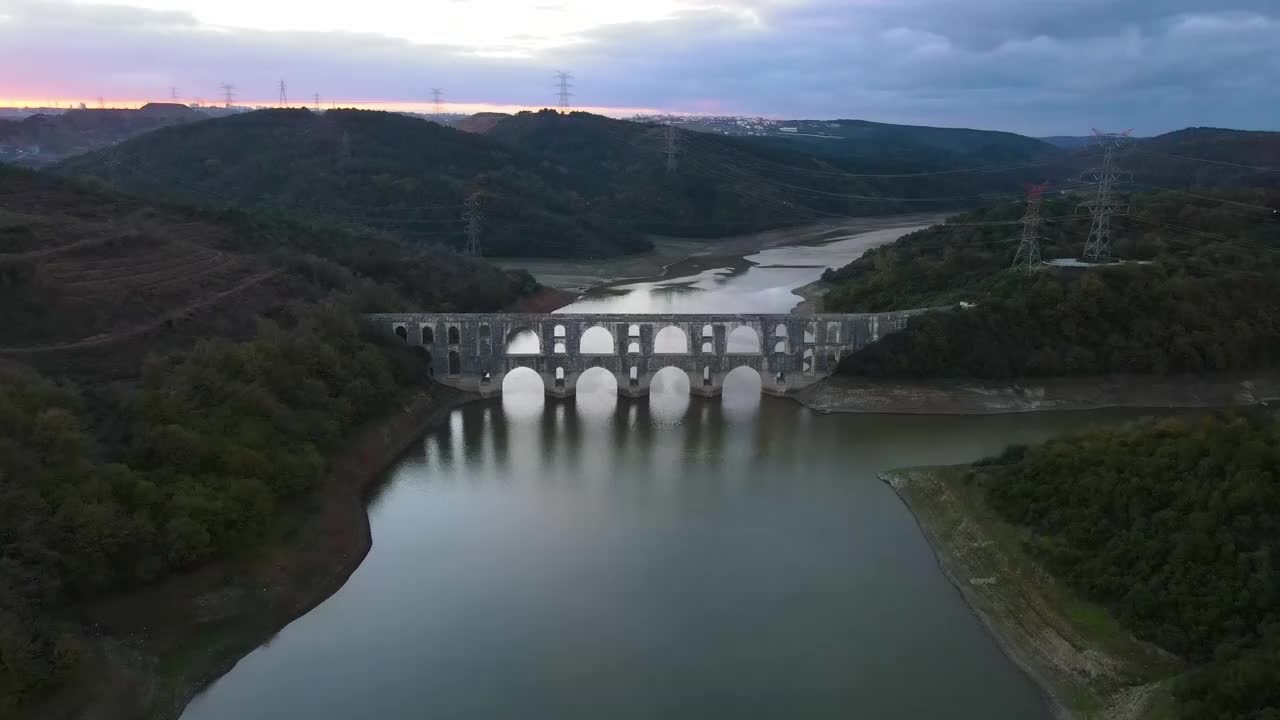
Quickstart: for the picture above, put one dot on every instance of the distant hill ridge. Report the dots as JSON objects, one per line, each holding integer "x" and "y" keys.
{"x": 582, "y": 185}
{"x": 84, "y": 130}
{"x": 367, "y": 169}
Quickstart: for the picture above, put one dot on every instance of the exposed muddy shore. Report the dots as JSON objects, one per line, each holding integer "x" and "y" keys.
{"x": 680, "y": 257}
{"x": 975, "y": 397}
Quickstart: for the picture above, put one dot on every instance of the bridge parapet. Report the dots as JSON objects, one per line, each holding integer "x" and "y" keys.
{"x": 473, "y": 351}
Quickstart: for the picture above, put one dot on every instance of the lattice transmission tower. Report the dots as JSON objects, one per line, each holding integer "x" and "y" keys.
{"x": 1104, "y": 204}
{"x": 563, "y": 85}
{"x": 284, "y": 96}
{"x": 473, "y": 217}
{"x": 228, "y": 93}
{"x": 671, "y": 150}
{"x": 1028, "y": 254}
{"x": 436, "y": 94}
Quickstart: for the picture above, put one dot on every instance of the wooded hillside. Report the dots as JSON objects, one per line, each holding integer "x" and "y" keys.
{"x": 1200, "y": 292}
{"x": 1174, "y": 525}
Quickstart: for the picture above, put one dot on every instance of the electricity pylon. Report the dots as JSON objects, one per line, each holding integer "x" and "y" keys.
{"x": 673, "y": 162}
{"x": 1028, "y": 254}
{"x": 563, "y": 93}
{"x": 473, "y": 216}
{"x": 1103, "y": 205}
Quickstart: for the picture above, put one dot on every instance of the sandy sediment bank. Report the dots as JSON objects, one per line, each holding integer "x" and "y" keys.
{"x": 973, "y": 397}
{"x": 673, "y": 257}
{"x": 1088, "y": 666}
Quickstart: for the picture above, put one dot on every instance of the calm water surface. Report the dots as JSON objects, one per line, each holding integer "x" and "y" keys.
{"x": 663, "y": 558}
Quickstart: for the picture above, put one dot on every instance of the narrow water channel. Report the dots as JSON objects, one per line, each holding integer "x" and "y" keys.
{"x": 663, "y": 558}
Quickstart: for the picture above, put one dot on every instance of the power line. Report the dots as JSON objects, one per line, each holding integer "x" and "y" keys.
{"x": 436, "y": 93}
{"x": 563, "y": 94}
{"x": 1028, "y": 254}
{"x": 1103, "y": 205}
{"x": 1206, "y": 160}
{"x": 1210, "y": 198}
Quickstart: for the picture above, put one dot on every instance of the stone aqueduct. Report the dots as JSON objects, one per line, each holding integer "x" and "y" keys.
{"x": 474, "y": 351}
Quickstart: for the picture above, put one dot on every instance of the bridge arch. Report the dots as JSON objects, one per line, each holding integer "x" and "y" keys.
{"x": 596, "y": 340}
{"x": 671, "y": 340}
{"x": 523, "y": 393}
{"x": 402, "y": 332}
{"x": 741, "y": 391}
{"x": 596, "y": 394}
{"x": 596, "y": 380}
{"x": 523, "y": 340}
{"x": 744, "y": 340}
{"x": 668, "y": 395}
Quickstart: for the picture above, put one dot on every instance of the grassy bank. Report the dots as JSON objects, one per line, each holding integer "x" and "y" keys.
{"x": 1091, "y": 668}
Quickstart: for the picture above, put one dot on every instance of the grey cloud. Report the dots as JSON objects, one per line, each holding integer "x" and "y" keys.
{"x": 1030, "y": 66}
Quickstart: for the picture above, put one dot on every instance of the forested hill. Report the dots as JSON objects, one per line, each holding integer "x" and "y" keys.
{"x": 872, "y": 147}
{"x": 38, "y": 140}
{"x": 1205, "y": 157}
{"x": 78, "y": 261}
{"x": 172, "y": 380}
{"x": 1200, "y": 293}
{"x": 1174, "y": 526}
{"x": 372, "y": 170}
{"x": 727, "y": 184}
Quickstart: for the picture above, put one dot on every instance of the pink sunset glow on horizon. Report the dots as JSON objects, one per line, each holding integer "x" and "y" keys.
{"x": 460, "y": 108}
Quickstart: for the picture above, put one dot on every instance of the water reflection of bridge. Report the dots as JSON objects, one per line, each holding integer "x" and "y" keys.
{"x": 476, "y": 351}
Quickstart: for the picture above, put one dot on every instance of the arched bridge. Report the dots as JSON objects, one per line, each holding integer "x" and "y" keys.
{"x": 475, "y": 351}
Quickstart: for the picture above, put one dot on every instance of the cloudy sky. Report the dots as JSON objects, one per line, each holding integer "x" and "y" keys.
{"x": 1030, "y": 66}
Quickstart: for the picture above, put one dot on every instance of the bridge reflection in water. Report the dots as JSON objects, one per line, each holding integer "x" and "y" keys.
{"x": 477, "y": 352}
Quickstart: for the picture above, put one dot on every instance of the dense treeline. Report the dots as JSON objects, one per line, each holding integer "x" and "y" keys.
{"x": 1203, "y": 297}
{"x": 1174, "y": 525}
{"x": 218, "y": 438}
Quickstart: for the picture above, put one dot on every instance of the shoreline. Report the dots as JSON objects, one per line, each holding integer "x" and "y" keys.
{"x": 156, "y": 649}
{"x": 150, "y": 652}
{"x": 1085, "y": 664}
{"x": 673, "y": 258}
{"x": 838, "y": 394}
